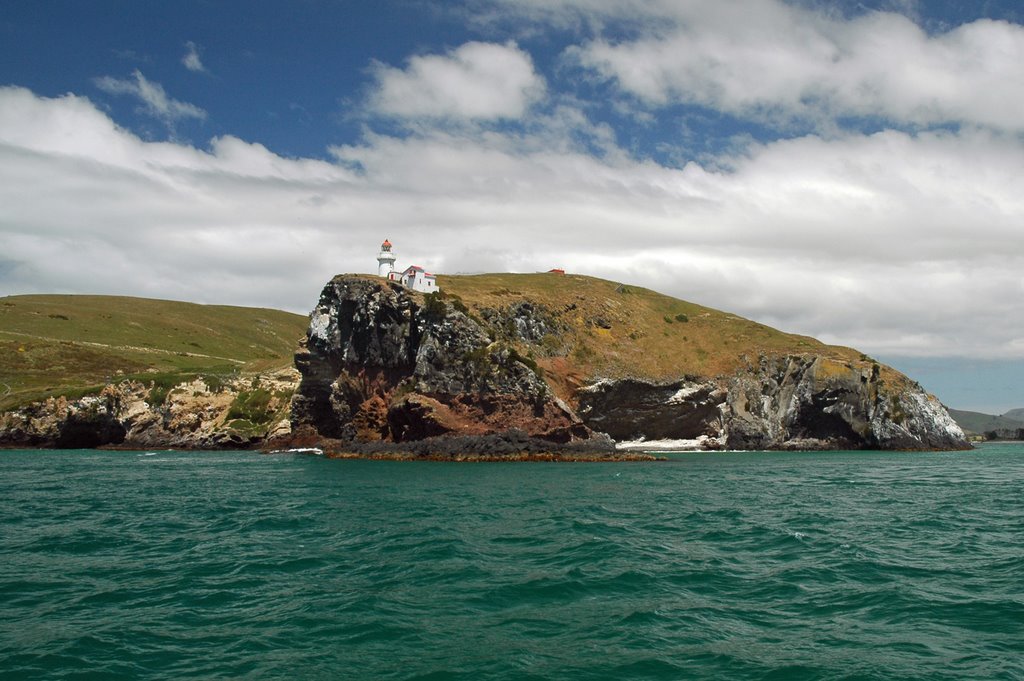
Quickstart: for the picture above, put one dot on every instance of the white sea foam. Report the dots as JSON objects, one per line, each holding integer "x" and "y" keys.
{"x": 299, "y": 450}
{"x": 695, "y": 445}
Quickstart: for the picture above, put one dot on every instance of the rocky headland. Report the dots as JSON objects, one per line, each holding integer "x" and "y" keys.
{"x": 500, "y": 367}
{"x": 387, "y": 369}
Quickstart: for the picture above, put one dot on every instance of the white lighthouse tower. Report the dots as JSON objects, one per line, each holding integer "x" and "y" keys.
{"x": 385, "y": 259}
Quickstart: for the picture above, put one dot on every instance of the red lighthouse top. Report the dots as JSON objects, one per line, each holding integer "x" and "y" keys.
{"x": 386, "y": 245}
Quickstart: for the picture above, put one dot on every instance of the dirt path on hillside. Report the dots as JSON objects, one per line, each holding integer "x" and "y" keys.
{"x": 133, "y": 348}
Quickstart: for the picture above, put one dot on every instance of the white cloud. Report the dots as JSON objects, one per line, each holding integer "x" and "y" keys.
{"x": 893, "y": 242}
{"x": 481, "y": 81}
{"x": 780, "y": 62}
{"x": 86, "y": 205}
{"x": 154, "y": 98}
{"x": 191, "y": 59}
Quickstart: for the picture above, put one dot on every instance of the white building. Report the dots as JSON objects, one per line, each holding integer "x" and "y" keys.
{"x": 414, "y": 276}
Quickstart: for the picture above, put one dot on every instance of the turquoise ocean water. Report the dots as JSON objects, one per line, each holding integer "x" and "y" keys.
{"x": 170, "y": 565}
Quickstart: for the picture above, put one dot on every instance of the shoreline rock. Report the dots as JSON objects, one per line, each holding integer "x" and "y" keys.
{"x": 791, "y": 403}
{"x": 239, "y": 413}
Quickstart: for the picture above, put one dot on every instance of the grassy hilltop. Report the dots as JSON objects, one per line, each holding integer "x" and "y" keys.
{"x": 619, "y": 330}
{"x": 71, "y": 344}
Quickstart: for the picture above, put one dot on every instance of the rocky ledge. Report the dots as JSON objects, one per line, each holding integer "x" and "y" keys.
{"x": 205, "y": 413}
{"x": 386, "y": 370}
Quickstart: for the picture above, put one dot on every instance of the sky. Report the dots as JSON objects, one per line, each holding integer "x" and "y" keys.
{"x": 853, "y": 171}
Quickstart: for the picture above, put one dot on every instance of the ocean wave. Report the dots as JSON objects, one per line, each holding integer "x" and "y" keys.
{"x": 756, "y": 566}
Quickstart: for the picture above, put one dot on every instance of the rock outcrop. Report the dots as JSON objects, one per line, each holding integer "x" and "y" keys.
{"x": 814, "y": 403}
{"x": 797, "y": 402}
{"x": 381, "y": 363}
{"x": 233, "y": 414}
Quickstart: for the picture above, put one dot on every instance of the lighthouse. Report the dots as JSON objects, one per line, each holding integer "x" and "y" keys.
{"x": 385, "y": 259}
{"x": 414, "y": 276}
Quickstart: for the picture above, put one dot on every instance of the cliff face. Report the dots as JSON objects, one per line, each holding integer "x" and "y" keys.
{"x": 801, "y": 402}
{"x": 825, "y": 403}
{"x": 383, "y": 364}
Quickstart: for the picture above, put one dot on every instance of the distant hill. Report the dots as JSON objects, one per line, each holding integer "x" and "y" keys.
{"x": 978, "y": 423}
{"x": 1015, "y": 414}
{"x": 71, "y": 345}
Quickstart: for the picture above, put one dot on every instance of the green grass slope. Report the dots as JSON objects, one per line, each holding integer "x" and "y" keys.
{"x": 72, "y": 345}
{"x": 618, "y": 330}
